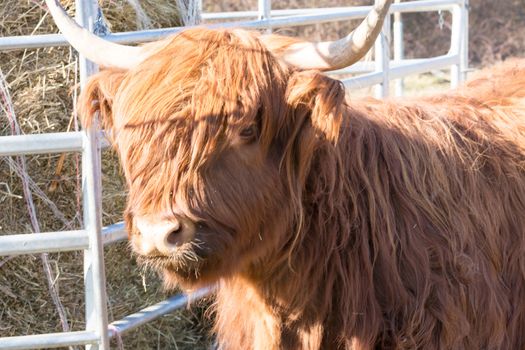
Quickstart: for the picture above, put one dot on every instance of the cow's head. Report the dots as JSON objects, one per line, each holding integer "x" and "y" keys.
{"x": 216, "y": 130}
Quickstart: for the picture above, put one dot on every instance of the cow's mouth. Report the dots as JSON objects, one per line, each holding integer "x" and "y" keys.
{"x": 157, "y": 262}
{"x": 186, "y": 261}
{"x": 186, "y": 254}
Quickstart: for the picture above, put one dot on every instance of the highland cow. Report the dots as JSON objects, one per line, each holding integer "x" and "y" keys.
{"x": 328, "y": 222}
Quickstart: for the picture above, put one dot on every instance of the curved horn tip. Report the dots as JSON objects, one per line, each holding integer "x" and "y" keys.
{"x": 96, "y": 49}
{"x": 331, "y": 55}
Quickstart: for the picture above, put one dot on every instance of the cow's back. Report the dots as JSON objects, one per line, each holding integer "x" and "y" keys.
{"x": 442, "y": 190}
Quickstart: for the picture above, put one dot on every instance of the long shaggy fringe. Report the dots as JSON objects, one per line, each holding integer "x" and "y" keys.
{"x": 391, "y": 224}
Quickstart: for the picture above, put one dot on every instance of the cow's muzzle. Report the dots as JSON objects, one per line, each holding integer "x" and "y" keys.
{"x": 162, "y": 235}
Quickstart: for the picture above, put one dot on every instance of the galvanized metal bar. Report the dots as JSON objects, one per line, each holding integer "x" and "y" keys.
{"x": 114, "y": 233}
{"x": 199, "y": 7}
{"x": 424, "y": 6}
{"x": 370, "y": 79}
{"x": 41, "y": 143}
{"x": 308, "y": 17}
{"x": 398, "y": 49}
{"x": 23, "y": 42}
{"x": 55, "y": 40}
{"x": 57, "y": 241}
{"x": 360, "y": 10}
{"x": 455, "y": 46}
{"x": 58, "y": 142}
{"x": 46, "y": 341}
{"x": 94, "y": 273}
{"x": 363, "y": 81}
{"x": 43, "y": 243}
{"x": 150, "y": 313}
{"x": 264, "y": 8}
{"x": 464, "y": 52}
{"x": 369, "y": 66}
{"x": 382, "y": 59}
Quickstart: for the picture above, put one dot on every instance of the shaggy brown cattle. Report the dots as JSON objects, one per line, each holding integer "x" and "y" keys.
{"x": 328, "y": 223}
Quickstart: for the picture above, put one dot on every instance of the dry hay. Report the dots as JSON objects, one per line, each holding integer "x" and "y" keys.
{"x": 40, "y": 82}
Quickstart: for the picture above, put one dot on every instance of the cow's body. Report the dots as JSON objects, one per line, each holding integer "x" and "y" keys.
{"x": 328, "y": 223}
{"x": 417, "y": 243}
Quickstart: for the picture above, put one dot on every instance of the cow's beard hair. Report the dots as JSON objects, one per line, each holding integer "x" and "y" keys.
{"x": 184, "y": 258}
{"x": 184, "y": 266}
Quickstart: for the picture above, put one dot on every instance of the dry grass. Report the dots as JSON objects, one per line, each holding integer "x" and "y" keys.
{"x": 40, "y": 82}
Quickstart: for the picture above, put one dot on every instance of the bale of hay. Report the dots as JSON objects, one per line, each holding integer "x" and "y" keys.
{"x": 41, "y": 83}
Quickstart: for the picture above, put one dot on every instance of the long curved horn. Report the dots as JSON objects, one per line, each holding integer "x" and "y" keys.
{"x": 331, "y": 55}
{"x": 98, "y": 50}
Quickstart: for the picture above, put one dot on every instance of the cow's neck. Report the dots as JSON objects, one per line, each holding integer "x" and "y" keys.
{"x": 290, "y": 302}
{"x": 261, "y": 319}
{"x": 284, "y": 305}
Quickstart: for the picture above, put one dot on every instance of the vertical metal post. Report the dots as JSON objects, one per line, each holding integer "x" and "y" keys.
{"x": 399, "y": 49}
{"x": 382, "y": 58}
{"x": 199, "y": 6}
{"x": 464, "y": 40}
{"x": 264, "y": 7}
{"x": 455, "y": 45}
{"x": 94, "y": 274}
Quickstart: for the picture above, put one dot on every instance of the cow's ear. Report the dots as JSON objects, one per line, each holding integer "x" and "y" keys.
{"x": 310, "y": 131}
{"x": 315, "y": 105}
{"x": 320, "y": 99}
{"x": 98, "y": 96}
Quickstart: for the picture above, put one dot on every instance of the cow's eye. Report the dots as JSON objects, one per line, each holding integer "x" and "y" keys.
{"x": 249, "y": 134}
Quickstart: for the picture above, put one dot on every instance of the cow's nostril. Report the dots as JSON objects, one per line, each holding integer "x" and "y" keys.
{"x": 174, "y": 237}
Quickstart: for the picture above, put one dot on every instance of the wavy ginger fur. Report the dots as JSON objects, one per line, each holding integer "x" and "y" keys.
{"x": 395, "y": 224}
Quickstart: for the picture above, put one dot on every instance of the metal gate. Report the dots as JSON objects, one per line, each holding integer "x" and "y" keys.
{"x": 94, "y": 237}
